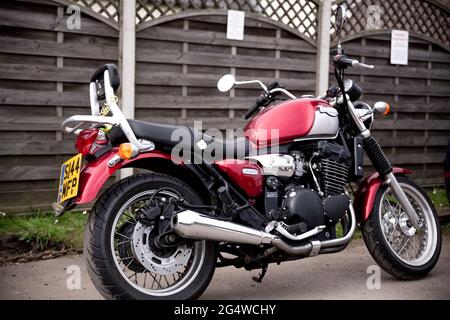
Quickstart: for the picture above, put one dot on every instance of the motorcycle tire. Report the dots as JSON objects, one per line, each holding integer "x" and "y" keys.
{"x": 383, "y": 251}
{"x": 101, "y": 264}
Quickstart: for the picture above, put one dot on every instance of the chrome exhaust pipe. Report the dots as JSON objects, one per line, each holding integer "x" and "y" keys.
{"x": 193, "y": 225}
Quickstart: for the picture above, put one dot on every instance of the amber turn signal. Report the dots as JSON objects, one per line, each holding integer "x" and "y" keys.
{"x": 127, "y": 151}
{"x": 388, "y": 109}
{"x": 382, "y": 107}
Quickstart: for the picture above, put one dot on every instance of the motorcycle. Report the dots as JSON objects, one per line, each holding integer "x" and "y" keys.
{"x": 161, "y": 234}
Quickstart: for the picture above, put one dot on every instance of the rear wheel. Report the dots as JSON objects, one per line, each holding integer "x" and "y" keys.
{"x": 399, "y": 248}
{"x": 123, "y": 260}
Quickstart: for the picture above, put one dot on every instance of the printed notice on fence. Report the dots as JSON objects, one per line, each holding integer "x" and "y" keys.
{"x": 235, "y": 25}
{"x": 399, "y": 47}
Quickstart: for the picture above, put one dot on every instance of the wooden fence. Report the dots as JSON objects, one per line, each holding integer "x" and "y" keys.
{"x": 45, "y": 69}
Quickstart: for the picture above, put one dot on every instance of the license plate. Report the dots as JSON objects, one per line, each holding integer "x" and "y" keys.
{"x": 69, "y": 178}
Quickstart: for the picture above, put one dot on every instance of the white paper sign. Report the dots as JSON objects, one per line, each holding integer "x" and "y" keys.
{"x": 235, "y": 25}
{"x": 399, "y": 47}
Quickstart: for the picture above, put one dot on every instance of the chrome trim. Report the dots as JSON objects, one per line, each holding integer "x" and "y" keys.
{"x": 290, "y": 95}
{"x": 315, "y": 154}
{"x": 281, "y": 228}
{"x": 357, "y": 120}
{"x": 192, "y": 225}
{"x": 282, "y": 165}
{"x": 114, "y": 160}
{"x": 391, "y": 180}
{"x": 117, "y": 117}
{"x": 95, "y": 107}
{"x": 316, "y": 246}
{"x": 317, "y": 137}
{"x": 252, "y": 81}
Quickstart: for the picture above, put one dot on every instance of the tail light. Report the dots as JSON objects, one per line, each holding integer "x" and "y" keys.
{"x": 85, "y": 140}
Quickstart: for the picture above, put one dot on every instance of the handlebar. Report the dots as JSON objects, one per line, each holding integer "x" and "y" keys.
{"x": 270, "y": 92}
{"x": 273, "y": 90}
{"x": 342, "y": 62}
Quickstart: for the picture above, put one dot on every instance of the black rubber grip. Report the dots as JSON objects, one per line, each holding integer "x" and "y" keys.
{"x": 376, "y": 155}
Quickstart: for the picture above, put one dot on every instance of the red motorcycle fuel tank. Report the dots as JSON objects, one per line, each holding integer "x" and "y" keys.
{"x": 307, "y": 118}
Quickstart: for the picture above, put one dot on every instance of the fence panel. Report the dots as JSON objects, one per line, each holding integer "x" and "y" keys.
{"x": 45, "y": 73}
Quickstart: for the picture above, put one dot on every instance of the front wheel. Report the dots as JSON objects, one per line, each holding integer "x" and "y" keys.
{"x": 123, "y": 256}
{"x": 399, "y": 248}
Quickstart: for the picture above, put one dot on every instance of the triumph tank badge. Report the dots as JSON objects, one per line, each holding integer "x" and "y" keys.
{"x": 250, "y": 171}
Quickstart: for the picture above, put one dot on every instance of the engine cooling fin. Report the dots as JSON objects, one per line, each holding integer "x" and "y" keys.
{"x": 334, "y": 177}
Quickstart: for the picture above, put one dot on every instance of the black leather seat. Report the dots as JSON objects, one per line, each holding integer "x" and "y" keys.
{"x": 167, "y": 135}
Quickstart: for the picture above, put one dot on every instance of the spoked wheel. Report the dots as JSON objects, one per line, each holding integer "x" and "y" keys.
{"x": 398, "y": 247}
{"x": 137, "y": 265}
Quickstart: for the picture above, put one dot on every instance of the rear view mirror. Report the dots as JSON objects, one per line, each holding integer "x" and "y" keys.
{"x": 226, "y": 83}
{"x": 340, "y": 17}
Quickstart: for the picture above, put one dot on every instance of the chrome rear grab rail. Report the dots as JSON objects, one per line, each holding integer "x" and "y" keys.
{"x": 73, "y": 123}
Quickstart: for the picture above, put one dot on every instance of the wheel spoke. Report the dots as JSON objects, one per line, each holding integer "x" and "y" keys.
{"x": 122, "y": 242}
{"x": 123, "y": 233}
{"x": 406, "y": 242}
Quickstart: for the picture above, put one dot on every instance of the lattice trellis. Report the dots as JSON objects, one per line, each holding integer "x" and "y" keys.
{"x": 107, "y": 8}
{"x": 417, "y": 16}
{"x": 298, "y": 14}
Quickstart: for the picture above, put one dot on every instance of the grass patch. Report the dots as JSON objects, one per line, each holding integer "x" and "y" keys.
{"x": 439, "y": 197}
{"x": 44, "y": 231}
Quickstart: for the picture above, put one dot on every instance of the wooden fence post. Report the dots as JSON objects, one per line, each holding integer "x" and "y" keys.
{"x": 323, "y": 47}
{"x": 127, "y": 56}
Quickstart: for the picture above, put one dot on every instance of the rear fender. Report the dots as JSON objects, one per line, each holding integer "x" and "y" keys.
{"x": 367, "y": 191}
{"x": 95, "y": 173}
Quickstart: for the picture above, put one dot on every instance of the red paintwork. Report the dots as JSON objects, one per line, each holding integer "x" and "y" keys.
{"x": 252, "y": 185}
{"x": 94, "y": 174}
{"x": 291, "y": 119}
{"x": 365, "y": 196}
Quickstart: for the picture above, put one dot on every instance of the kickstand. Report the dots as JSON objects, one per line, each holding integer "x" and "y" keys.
{"x": 261, "y": 275}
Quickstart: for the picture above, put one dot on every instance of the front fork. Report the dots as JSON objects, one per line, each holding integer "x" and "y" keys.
{"x": 383, "y": 166}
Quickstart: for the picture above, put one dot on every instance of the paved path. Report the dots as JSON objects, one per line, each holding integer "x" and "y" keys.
{"x": 336, "y": 276}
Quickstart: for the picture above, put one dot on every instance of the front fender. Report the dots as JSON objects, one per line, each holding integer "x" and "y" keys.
{"x": 367, "y": 191}
{"x": 94, "y": 174}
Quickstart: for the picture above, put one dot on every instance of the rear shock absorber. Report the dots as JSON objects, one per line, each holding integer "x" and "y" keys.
{"x": 377, "y": 156}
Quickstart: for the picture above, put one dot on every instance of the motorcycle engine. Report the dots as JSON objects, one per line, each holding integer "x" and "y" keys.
{"x": 302, "y": 204}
